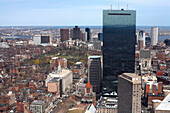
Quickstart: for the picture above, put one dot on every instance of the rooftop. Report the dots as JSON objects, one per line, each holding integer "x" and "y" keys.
{"x": 165, "y": 104}
{"x": 132, "y": 77}
{"x": 62, "y": 74}
{"x": 93, "y": 57}
{"x": 39, "y": 102}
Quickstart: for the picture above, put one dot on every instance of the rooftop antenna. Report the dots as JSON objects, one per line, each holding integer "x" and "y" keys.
{"x": 111, "y": 7}
{"x": 127, "y": 6}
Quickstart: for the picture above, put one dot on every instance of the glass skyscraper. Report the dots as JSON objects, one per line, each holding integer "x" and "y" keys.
{"x": 119, "y": 38}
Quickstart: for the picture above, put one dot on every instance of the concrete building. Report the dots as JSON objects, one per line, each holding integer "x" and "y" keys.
{"x": 145, "y": 60}
{"x": 64, "y": 74}
{"x": 8, "y": 99}
{"x": 154, "y": 35}
{"x": 80, "y": 88}
{"x": 95, "y": 73}
{"x": 141, "y": 40}
{"x": 54, "y": 86}
{"x": 84, "y": 36}
{"x": 78, "y": 69}
{"x": 129, "y": 93}
{"x": 64, "y": 34}
{"x": 42, "y": 39}
{"x": 37, "y": 106}
{"x": 107, "y": 105}
{"x": 71, "y": 33}
{"x": 76, "y": 33}
{"x": 55, "y": 61}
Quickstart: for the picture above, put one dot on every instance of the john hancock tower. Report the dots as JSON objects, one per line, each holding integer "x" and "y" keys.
{"x": 119, "y": 34}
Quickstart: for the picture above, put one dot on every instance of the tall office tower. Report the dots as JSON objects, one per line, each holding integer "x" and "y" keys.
{"x": 154, "y": 35}
{"x": 129, "y": 93}
{"x": 119, "y": 39}
{"x": 88, "y": 33}
{"x": 141, "y": 40}
{"x": 100, "y": 37}
{"x": 71, "y": 33}
{"x": 76, "y": 33}
{"x": 95, "y": 73}
{"x": 80, "y": 35}
{"x": 84, "y": 36}
{"x": 64, "y": 34}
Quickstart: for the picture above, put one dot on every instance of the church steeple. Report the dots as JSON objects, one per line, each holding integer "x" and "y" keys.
{"x": 59, "y": 69}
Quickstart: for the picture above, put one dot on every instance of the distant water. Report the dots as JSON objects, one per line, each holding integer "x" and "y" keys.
{"x": 18, "y": 36}
{"x": 147, "y": 28}
{"x": 162, "y": 38}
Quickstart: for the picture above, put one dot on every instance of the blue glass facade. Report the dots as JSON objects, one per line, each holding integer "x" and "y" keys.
{"x": 100, "y": 37}
{"x": 119, "y": 38}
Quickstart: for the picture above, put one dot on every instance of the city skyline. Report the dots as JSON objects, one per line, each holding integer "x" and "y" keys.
{"x": 83, "y": 13}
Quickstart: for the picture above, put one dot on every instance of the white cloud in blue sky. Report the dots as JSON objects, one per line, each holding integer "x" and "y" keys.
{"x": 79, "y": 12}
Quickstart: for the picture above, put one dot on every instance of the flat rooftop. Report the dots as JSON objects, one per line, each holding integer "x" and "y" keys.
{"x": 132, "y": 77}
{"x": 62, "y": 74}
{"x": 37, "y": 102}
{"x": 93, "y": 57}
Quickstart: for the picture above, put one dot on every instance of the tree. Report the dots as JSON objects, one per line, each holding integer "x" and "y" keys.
{"x": 48, "y": 61}
{"x": 37, "y": 61}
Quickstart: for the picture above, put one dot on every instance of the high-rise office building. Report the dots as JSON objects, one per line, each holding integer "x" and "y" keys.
{"x": 141, "y": 40}
{"x": 100, "y": 37}
{"x": 64, "y": 34}
{"x": 95, "y": 72}
{"x": 154, "y": 35}
{"x": 129, "y": 93}
{"x": 71, "y": 33}
{"x": 119, "y": 39}
{"x": 76, "y": 33}
{"x": 88, "y": 33}
{"x": 84, "y": 36}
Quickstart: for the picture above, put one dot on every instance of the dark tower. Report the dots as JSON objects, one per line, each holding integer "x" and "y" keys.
{"x": 76, "y": 33}
{"x": 88, "y": 33}
{"x": 119, "y": 38}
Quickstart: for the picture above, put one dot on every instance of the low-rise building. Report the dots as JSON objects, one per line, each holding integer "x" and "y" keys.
{"x": 107, "y": 105}
{"x": 78, "y": 69}
{"x": 37, "y": 106}
{"x": 64, "y": 74}
{"x": 54, "y": 85}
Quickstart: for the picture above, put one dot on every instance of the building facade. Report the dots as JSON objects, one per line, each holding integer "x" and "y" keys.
{"x": 95, "y": 73}
{"x": 76, "y": 33}
{"x": 88, "y": 33}
{"x": 42, "y": 39}
{"x": 64, "y": 74}
{"x": 154, "y": 35}
{"x": 119, "y": 39}
{"x": 64, "y": 34}
{"x": 141, "y": 40}
{"x": 37, "y": 106}
{"x": 129, "y": 93}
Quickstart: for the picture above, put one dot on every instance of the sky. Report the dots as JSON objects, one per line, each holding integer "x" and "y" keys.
{"x": 79, "y": 12}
